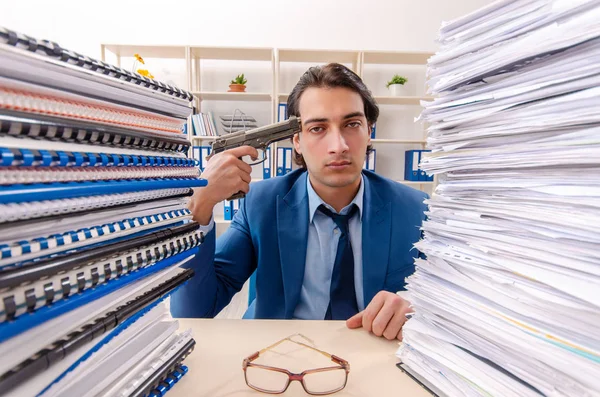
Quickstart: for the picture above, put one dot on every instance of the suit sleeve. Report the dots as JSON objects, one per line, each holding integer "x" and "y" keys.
{"x": 221, "y": 267}
{"x": 404, "y": 265}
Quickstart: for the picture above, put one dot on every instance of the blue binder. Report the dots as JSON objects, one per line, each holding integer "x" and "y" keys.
{"x": 411, "y": 163}
{"x": 267, "y": 164}
{"x": 423, "y": 176}
{"x": 288, "y": 160}
{"x": 372, "y": 160}
{"x": 280, "y": 161}
{"x": 427, "y": 177}
{"x": 228, "y": 210}
{"x": 282, "y": 112}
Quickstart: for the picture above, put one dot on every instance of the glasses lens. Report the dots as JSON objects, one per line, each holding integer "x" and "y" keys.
{"x": 266, "y": 380}
{"x": 325, "y": 381}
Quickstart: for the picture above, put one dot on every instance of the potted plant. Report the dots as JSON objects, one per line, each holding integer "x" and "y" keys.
{"x": 238, "y": 84}
{"x": 396, "y": 85}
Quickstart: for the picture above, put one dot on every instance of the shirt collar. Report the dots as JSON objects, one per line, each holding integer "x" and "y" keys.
{"x": 314, "y": 200}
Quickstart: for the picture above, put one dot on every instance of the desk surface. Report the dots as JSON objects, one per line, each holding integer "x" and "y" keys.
{"x": 215, "y": 365}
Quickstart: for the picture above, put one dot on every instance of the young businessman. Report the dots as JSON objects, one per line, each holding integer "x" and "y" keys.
{"x": 328, "y": 241}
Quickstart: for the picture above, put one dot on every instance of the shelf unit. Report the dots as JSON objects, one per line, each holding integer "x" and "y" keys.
{"x": 357, "y": 60}
{"x": 232, "y": 96}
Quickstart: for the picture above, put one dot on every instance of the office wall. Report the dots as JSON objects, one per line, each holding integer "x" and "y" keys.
{"x": 328, "y": 24}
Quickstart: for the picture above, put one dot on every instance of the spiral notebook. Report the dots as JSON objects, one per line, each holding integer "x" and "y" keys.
{"x": 48, "y": 364}
{"x": 27, "y": 288}
{"x": 50, "y": 128}
{"x": 23, "y": 193}
{"x": 117, "y": 355}
{"x": 30, "y": 98}
{"x": 46, "y": 63}
{"x": 26, "y": 344}
{"x": 13, "y": 212}
{"x": 17, "y": 252}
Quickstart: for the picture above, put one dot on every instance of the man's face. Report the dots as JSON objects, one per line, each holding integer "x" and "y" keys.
{"x": 334, "y": 136}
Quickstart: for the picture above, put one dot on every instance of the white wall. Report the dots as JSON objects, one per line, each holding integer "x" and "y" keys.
{"x": 324, "y": 24}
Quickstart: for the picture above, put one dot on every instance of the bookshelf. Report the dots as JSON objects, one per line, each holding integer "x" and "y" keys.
{"x": 280, "y": 69}
{"x": 232, "y": 96}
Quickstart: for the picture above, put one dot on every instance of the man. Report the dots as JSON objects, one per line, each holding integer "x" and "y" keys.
{"x": 328, "y": 241}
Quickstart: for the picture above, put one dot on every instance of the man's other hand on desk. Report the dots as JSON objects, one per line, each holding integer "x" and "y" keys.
{"x": 384, "y": 316}
{"x": 226, "y": 174}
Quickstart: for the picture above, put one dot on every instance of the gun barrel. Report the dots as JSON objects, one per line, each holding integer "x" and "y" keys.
{"x": 260, "y": 137}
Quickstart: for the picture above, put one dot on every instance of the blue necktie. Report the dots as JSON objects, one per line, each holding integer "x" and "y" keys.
{"x": 342, "y": 295}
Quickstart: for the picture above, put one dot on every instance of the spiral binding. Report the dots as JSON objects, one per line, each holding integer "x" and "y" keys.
{"x": 21, "y": 211}
{"x": 31, "y": 296}
{"x": 54, "y": 51}
{"x": 39, "y": 245}
{"x": 49, "y": 128}
{"x": 57, "y": 158}
{"x": 31, "y": 99}
{"x": 58, "y": 350}
{"x": 22, "y": 175}
{"x": 159, "y": 368}
{"x": 63, "y": 190}
{"x": 170, "y": 376}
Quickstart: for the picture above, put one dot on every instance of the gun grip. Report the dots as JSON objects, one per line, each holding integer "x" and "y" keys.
{"x": 238, "y": 195}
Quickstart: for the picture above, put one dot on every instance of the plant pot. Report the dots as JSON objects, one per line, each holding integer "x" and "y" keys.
{"x": 237, "y": 88}
{"x": 397, "y": 90}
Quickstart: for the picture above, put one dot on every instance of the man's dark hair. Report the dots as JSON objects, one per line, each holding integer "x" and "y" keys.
{"x": 330, "y": 76}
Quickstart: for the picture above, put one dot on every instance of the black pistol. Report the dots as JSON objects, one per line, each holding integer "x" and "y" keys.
{"x": 259, "y": 138}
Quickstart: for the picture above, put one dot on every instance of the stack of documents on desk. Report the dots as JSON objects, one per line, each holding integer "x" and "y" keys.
{"x": 507, "y": 301}
{"x": 94, "y": 225}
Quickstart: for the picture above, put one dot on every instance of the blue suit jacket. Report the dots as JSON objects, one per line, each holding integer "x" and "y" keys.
{"x": 269, "y": 234}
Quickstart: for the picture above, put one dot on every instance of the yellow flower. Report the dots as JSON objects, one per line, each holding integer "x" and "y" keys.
{"x": 139, "y": 58}
{"x": 146, "y": 73}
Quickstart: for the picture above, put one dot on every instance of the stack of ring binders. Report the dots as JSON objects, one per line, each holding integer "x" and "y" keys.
{"x": 95, "y": 228}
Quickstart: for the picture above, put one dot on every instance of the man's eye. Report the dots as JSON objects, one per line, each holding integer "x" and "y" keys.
{"x": 316, "y": 130}
{"x": 354, "y": 124}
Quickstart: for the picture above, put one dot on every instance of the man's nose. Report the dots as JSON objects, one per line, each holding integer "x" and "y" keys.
{"x": 336, "y": 141}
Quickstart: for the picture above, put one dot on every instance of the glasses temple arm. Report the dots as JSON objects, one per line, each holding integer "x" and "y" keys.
{"x": 298, "y": 343}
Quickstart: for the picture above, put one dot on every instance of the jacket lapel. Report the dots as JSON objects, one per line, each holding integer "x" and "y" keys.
{"x": 376, "y": 234}
{"x": 292, "y": 225}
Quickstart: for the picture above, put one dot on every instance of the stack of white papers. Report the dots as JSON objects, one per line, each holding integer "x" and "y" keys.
{"x": 507, "y": 302}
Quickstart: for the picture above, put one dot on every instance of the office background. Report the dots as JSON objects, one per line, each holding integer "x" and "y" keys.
{"x": 283, "y": 39}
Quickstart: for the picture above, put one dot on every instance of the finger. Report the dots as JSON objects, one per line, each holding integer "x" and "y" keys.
{"x": 246, "y": 177}
{"x": 355, "y": 321}
{"x": 244, "y": 151}
{"x": 244, "y": 187}
{"x": 372, "y": 310}
{"x": 242, "y": 165}
{"x": 400, "y": 336}
{"x": 383, "y": 317}
{"x": 395, "y": 325}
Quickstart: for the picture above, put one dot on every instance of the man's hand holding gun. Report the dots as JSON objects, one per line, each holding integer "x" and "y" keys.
{"x": 227, "y": 174}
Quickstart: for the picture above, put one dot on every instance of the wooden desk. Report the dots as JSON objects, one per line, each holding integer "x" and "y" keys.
{"x": 215, "y": 366}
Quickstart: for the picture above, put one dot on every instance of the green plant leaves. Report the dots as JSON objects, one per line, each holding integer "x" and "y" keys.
{"x": 240, "y": 79}
{"x": 397, "y": 79}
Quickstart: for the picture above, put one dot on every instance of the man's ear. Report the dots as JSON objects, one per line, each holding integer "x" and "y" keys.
{"x": 296, "y": 141}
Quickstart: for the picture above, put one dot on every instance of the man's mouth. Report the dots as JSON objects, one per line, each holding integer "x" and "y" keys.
{"x": 338, "y": 164}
